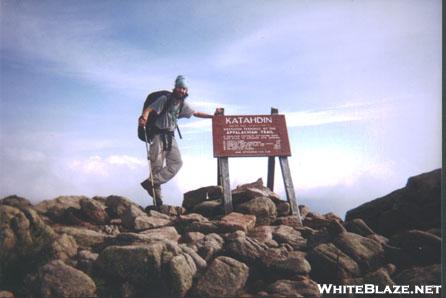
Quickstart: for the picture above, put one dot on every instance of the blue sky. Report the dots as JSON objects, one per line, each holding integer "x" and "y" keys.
{"x": 358, "y": 81}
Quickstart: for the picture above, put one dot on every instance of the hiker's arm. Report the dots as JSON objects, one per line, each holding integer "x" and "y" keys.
{"x": 145, "y": 115}
{"x": 208, "y": 116}
{"x": 202, "y": 115}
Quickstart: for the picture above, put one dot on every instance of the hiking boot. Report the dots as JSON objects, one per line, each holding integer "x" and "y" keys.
{"x": 155, "y": 190}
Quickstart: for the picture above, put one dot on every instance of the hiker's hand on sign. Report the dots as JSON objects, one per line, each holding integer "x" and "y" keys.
{"x": 142, "y": 121}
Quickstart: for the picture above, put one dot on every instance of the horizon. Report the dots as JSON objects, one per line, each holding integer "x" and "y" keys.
{"x": 359, "y": 83}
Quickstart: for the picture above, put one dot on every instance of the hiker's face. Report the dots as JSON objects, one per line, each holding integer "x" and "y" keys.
{"x": 180, "y": 92}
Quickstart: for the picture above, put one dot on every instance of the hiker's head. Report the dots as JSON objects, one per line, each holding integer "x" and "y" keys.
{"x": 180, "y": 89}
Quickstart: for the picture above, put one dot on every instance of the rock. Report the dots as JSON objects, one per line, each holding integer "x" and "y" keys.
{"x": 64, "y": 247}
{"x": 172, "y": 210}
{"x": 16, "y": 201}
{"x": 423, "y": 248}
{"x": 416, "y": 206}
{"x": 209, "y": 245}
{"x": 194, "y": 197}
{"x": 286, "y": 234}
{"x": 330, "y": 264}
{"x": 303, "y": 211}
{"x": 138, "y": 264}
{"x": 247, "y": 192}
{"x": 116, "y": 206}
{"x": 203, "y": 227}
{"x": 380, "y": 278}
{"x": 153, "y": 213}
{"x": 224, "y": 277}
{"x": 236, "y": 221}
{"x": 358, "y": 226}
{"x": 209, "y": 208}
{"x": 192, "y": 237}
{"x": 378, "y": 238}
{"x": 317, "y": 222}
{"x": 368, "y": 253}
{"x": 427, "y": 275}
{"x": 166, "y": 233}
{"x": 291, "y": 220}
{"x": 199, "y": 261}
{"x": 136, "y": 219}
{"x": 93, "y": 211}
{"x": 56, "y": 279}
{"x": 285, "y": 263}
{"x": 55, "y": 209}
{"x": 190, "y": 218}
{"x": 245, "y": 249}
{"x": 302, "y": 287}
{"x": 85, "y": 261}
{"x": 181, "y": 272}
{"x": 264, "y": 234}
{"x": 24, "y": 243}
{"x": 183, "y": 222}
{"x": 262, "y": 207}
{"x": 283, "y": 208}
{"x": 85, "y": 238}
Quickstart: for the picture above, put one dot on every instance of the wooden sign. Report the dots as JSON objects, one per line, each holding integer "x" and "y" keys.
{"x": 250, "y": 135}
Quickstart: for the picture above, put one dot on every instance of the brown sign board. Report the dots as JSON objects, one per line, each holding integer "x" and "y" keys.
{"x": 250, "y": 135}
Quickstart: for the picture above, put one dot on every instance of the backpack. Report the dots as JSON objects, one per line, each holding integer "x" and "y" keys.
{"x": 150, "y": 124}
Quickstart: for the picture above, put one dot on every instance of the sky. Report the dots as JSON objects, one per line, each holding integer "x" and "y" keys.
{"x": 359, "y": 83}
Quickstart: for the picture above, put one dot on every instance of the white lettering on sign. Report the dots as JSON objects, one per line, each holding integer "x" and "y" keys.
{"x": 249, "y": 120}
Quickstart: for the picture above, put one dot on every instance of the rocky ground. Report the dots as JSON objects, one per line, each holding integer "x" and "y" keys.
{"x": 110, "y": 247}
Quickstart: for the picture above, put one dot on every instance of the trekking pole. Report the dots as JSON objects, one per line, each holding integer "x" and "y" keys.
{"x": 150, "y": 166}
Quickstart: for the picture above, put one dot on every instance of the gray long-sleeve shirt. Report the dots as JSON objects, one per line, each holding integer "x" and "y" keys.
{"x": 168, "y": 120}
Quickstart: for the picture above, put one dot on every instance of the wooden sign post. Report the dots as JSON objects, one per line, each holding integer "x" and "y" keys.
{"x": 252, "y": 136}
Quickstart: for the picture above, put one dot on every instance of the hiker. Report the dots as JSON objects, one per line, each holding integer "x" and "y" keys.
{"x": 165, "y": 157}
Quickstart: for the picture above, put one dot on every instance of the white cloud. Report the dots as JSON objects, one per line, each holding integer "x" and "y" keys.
{"x": 100, "y": 166}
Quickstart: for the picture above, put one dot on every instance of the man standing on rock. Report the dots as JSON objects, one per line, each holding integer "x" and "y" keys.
{"x": 165, "y": 157}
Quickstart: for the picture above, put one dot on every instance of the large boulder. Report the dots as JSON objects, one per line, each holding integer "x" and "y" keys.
{"x": 56, "y": 279}
{"x": 148, "y": 236}
{"x": 93, "y": 211}
{"x": 416, "y": 206}
{"x": 380, "y": 277}
{"x": 368, "y": 253}
{"x": 237, "y": 222}
{"x": 358, "y": 226}
{"x": 194, "y": 197}
{"x": 285, "y": 263}
{"x": 210, "y": 245}
{"x": 421, "y": 248}
{"x": 209, "y": 208}
{"x": 16, "y": 201}
{"x": 181, "y": 272}
{"x": 24, "y": 243}
{"x": 249, "y": 191}
{"x": 224, "y": 277}
{"x": 286, "y": 234}
{"x": 244, "y": 248}
{"x": 56, "y": 208}
{"x": 63, "y": 247}
{"x": 135, "y": 219}
{"x": 85, "y": 238}
{"x": 330, "y": 264}
{"x": 117, "y": 205}
{"x": 262, "y": 207}
{"x": 138, "y": 264}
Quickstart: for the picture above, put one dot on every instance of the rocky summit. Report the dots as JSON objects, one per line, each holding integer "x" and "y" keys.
{"x": 74, "y": 246}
